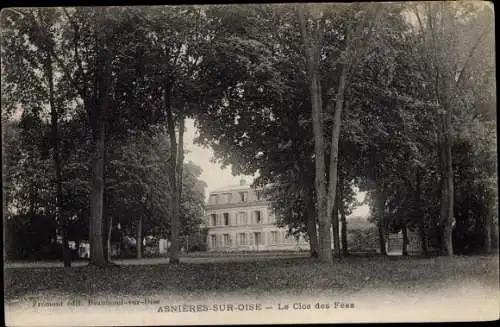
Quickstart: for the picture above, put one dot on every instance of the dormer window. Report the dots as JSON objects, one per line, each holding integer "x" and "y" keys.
{"x": 243, "y": 196}
{"x": 214, "y": 199}
{"x": 227, "y": 197}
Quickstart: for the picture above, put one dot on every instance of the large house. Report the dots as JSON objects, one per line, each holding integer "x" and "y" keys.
{"x": 239, "y": 219}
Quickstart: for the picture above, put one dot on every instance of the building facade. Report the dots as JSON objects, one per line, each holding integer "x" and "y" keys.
{"x": 239, "y": 219}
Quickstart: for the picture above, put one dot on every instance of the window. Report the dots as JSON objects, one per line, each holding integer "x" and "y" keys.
{"x": 258, "y": 217}
{"x": 227, "y": 239}
{"x": 214, "y": 199}
{"x": 274, "y": 237}
{"x": 213, "y": 240}
{"x": 258, "y": 238}
{"x": 243, "y": 196}
{"x": 243, "y": 239}
{"x": 213, "y": 219}
{"x": 226, "y": 218}
{"x": 243, "y": 218}
{"x": 258, "y": 195}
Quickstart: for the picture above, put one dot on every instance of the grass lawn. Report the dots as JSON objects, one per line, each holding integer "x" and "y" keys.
{"x": 295, "y": 276}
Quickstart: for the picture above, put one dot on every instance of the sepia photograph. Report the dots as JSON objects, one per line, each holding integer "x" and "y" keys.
{"x": 249, "y": 164}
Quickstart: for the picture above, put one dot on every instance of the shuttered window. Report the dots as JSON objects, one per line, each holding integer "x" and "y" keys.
{"x": 227, "y": 239}
{"x": 243, "y": 239}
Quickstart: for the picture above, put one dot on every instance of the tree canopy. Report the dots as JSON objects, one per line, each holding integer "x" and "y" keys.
{"x": 395, "y": 99}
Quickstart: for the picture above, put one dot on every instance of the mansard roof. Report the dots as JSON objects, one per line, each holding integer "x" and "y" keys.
{"x": 242, "y": 186}
{"x": 230, "y": 188}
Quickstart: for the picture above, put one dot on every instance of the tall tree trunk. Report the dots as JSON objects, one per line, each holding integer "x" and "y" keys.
{"x": 180, "y": 166}
{"x": 138, "y": 238}
{"x": 352, "y": 52}
{"x": 180, "y": 157}
{"x": 106, "y": 222}
{"x": 175, "y": 172}
{"x": 174, "y": 233}
{"x": 333, "y": 198}
{"x": 97, "y": 116}
{"x": 324, "y": 219}
{"x": 405, "y": 240}
{"x": 382, "y": 239}
{"x": 110, "y": 229}
{"x": 423, "y": 237}
{"x": 335, "y": 227}
{"x": 343, "y": 232}
{"x": 54, "y": 117}
{"x": 447, "y": 192}
{"x": 448, "y": 237}
{"x": 96, "y": 198}
{"x": 311, "y": 225}
{"x": 420, "y": 215}
{"x": 343, "y": 220}
{"x": 381, "y": 222}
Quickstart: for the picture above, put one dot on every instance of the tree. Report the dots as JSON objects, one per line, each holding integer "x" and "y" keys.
{"x": 459, "y": 30}
{"x": 176, "y": 53}
{"x": 29, "y": 192}
{"x": 293, "y": 203}
{"x": 260, "y": 121}
{"x": 354, "y": 45}
{"x": 100, "y": 50}
{"x": 348, "y": 203}
{"x": 255, "y": 118}
{"x": 312, "y": 44}
{"x": 192, "y": 203}
{"x": 137, "y": 185}
{"x": 330, "y": 94}
{"x": 105, "y": 44}
{"x": 39, "y": 64}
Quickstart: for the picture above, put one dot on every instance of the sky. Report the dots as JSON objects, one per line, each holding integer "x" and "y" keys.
{"x": 216, "y": 177}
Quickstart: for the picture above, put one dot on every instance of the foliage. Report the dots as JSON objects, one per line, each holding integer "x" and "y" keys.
{"x": 125, "y": 79}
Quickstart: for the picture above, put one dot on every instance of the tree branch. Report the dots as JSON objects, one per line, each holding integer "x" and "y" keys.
{"x": 77, "y": 57}
{"x": 358, "y": 37}
{"x": 405, "y": 178}
{"x": 469, "y": 57}
{"x": 56, "y": 57}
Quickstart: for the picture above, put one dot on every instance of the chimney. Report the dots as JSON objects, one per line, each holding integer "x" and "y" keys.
{"x": 242, "y": 182}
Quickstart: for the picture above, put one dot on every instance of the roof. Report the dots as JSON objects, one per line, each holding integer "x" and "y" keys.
{"x": 231, "y": 188}
{"x": 243, "y": 185}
